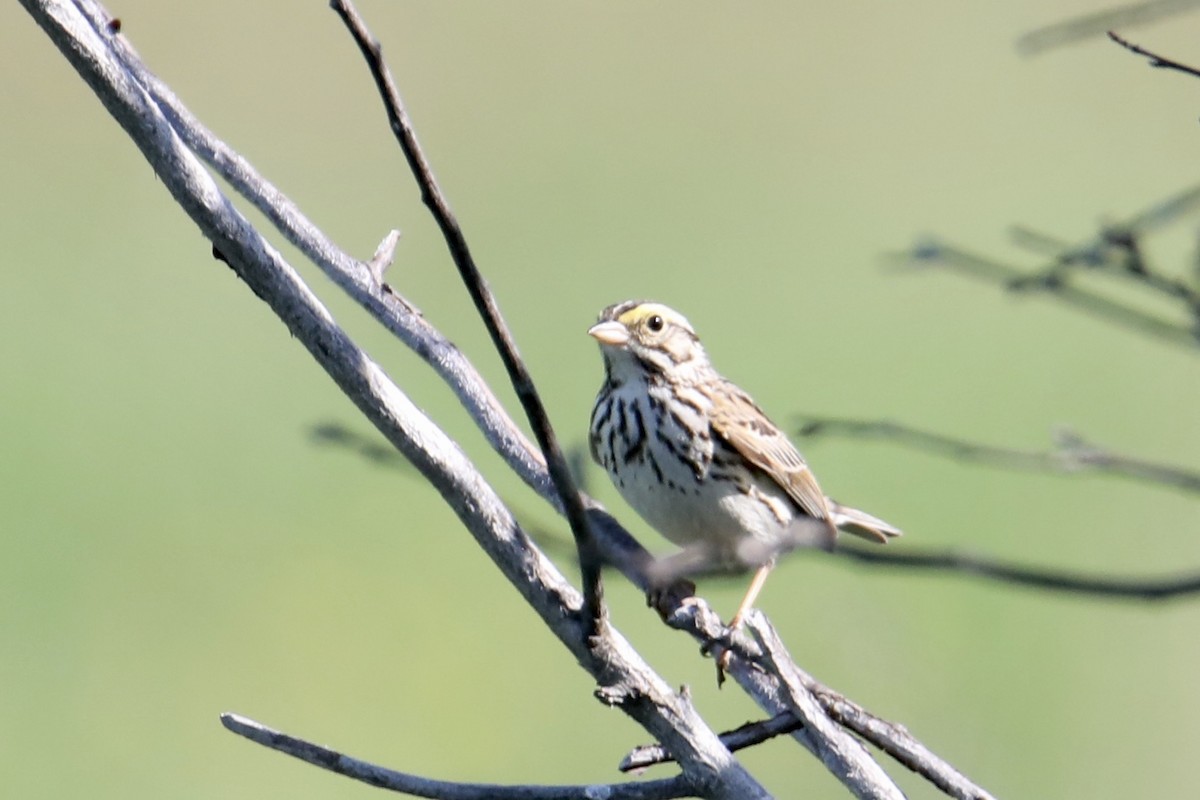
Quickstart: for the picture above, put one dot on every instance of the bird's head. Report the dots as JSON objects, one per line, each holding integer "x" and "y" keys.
{"x": 646, "y": 336}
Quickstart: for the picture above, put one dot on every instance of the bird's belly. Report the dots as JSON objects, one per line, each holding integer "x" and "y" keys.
{"x": 716, "y": 512}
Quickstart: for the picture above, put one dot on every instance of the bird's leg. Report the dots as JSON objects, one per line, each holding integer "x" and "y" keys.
{"x": 756, "y": 585}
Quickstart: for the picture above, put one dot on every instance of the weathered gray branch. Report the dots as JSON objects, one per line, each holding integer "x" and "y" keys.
{"x": 625, "y": 680}
{"x": 171, "y": 138}
{"x": 384, "y": 778}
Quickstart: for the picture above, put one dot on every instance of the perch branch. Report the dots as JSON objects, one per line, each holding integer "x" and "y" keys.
{"x": 625, "y": 680}
{"x": 405, "y": 783}
{"x": 877, "y": 784}
{"x": 489, "y": 309}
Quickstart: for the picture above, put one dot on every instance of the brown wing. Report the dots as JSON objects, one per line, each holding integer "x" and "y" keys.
{"x": 737, "y": 419}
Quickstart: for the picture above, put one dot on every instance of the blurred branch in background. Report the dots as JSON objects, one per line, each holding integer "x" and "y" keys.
{"x": 1155, "y": 588}
{"x": 1090, "y": 26}
{"x": 1114, "y": 252}
{"x": 1070, "y": 455}
{"x": 334, "y": 434}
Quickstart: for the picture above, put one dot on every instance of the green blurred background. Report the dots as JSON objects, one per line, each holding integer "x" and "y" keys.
{"x": 175, "y": 543}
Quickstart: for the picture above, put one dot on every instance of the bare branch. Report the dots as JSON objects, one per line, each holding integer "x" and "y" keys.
{"x": 485, "y": 303}
{"x": 1089, "y": 26}
{"x": 1156, "y": 61}
{"x": 1071, "y": 453}
{"x": 405, "y": 783}
{"x": 624, "y": 679}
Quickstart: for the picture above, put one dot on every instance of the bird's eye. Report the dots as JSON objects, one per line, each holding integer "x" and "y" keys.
{"x": 655, "y": 323}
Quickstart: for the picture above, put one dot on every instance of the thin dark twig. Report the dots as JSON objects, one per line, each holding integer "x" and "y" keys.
{"x": 1071, "y": 454}
{"x": 739, "y": 738}
{"x": 485, "y": 303}
{"x": 1149, "y": 589}
{"x": 405, "y": 783}
{"x": 1156, "y": 61}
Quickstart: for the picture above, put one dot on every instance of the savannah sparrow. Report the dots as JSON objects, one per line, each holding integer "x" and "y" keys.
{"x": 698, "y": 459}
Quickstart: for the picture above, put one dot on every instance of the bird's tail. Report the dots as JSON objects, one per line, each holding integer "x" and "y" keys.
{"x": 860, "y": 523}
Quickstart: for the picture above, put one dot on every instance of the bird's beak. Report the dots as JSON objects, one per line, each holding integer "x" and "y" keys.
{"x": 611, "y": 333}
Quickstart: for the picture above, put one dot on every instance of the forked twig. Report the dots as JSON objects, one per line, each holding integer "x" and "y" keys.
{"x": 1115, "y": 250}
{"x": 1051, "y": 283}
